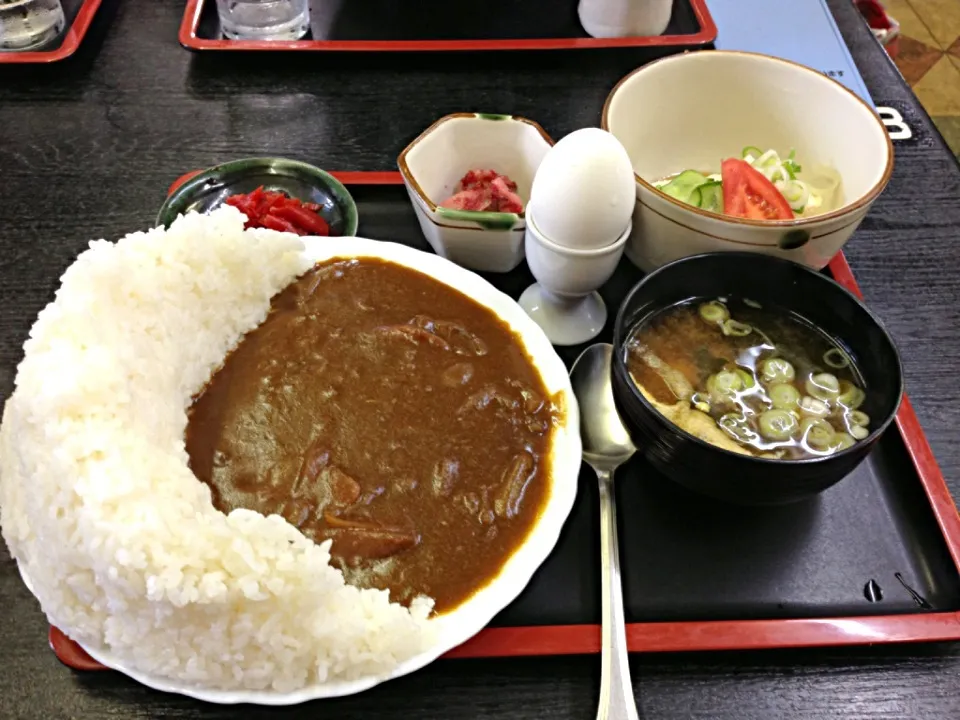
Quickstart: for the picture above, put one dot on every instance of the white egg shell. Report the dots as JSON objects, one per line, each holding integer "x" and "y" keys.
{"x": 583, "y": 194}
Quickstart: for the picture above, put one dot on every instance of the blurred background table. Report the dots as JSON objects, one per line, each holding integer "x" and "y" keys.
{"x": 87, "y": 150}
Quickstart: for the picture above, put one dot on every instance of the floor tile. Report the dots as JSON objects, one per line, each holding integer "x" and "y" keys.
{"x": 916, "y": 58}
{"x": 942, "y": 18}
{"x": 956, "y": 63}
{"x": 949, "y": 127}
{"x": 939, "y": 89}
{"x": 910, "y": 23}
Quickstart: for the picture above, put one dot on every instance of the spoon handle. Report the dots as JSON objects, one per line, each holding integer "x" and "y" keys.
{"x": 616, "y": 690}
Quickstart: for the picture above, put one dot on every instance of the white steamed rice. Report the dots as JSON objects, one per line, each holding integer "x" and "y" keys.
{"x": 120, "y": 541}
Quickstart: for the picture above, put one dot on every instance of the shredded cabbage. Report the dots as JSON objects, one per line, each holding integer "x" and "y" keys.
{"x": 802, "y": 195}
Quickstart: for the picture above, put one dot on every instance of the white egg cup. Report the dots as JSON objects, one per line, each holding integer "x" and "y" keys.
{"x": 564, "y": 301}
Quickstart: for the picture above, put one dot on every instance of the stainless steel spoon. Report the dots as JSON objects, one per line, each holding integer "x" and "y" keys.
{"x": 606, "y": 446}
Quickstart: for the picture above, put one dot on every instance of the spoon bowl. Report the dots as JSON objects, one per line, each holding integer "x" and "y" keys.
{"x": 605, "y": 439}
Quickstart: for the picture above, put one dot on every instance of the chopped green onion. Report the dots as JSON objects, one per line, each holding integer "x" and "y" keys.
{"x": 813, "y": 407}
{"x": 747, "y": 378}
{"x": 777, "y": 425}
{"x": 859, "y": 418}
{"x": 736, "y": 329}
{"x": 714, "y": 312}
{"x": 859, "y": 432}
{"x": 784, "y": 396}
{"x": 767, "y": 159}
{"x": 836, "y": 358}
{"x": 776, "y": 370}
{"x": 795, "y": 193}
{"x": 842, "y": 440}
{"x": 725, "y": 382}
{"x": 792, "y": 168}
{"x": 817, "y": 433}
{"x": 823, "y": 386}
{"x": 851, "y": 396}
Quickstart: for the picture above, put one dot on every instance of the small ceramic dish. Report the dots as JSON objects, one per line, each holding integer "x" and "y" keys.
{"x": 691, "y": 111}
{"x": 564, "y": 301}
{"x": 433, "y": 164}
{"x": 746, "y": 479}
{"x": 208, "y": 189}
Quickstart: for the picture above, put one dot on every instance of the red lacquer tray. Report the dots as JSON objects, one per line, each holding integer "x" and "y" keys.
{"x": 79, "y": 14}
{"x": 799, "y": 597}
{"x": 391, "y": 26}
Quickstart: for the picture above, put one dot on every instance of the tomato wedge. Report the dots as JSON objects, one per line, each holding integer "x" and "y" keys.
{"x": 748, "y": 194}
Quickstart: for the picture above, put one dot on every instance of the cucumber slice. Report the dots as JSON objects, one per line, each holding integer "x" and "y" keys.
{"x": 683, "y": 186}
{"x": 711, "y": 196}
{"x": 751, "y": 150}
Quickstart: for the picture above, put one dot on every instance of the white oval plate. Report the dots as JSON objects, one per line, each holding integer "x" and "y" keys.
{"x": 472, "y": 616}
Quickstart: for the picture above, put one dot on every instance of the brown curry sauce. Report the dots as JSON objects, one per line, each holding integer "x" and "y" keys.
{"x": 378, "y": 407}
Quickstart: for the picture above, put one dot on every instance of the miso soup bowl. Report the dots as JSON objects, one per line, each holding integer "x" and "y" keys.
{"x": 770, "y": 281}
{"x": 691, "y": 111}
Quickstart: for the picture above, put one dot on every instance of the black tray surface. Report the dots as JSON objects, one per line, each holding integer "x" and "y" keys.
{"x": 387, "y": 20}
{"x": 686, "y": 558}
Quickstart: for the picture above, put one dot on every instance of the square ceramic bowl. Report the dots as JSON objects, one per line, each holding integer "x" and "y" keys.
{"x": 693, "y": 110}
{"x": 433, "y": 164}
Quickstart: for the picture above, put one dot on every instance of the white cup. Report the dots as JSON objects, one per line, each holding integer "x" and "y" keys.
{"x": 624, "y": 18}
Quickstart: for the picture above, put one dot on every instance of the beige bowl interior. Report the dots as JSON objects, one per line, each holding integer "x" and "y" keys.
{"x": 693, "y": 110}
{"x": 511, "y": 146}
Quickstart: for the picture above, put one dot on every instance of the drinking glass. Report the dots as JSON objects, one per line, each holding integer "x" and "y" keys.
{"x": 264, "y": 19}
{"x": 28, "y": 24}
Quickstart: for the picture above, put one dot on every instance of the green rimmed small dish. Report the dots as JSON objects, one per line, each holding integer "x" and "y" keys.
{"x": 208, "y": 190}
{"x": 433, "y": 164}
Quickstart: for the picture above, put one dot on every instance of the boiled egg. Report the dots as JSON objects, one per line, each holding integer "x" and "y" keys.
{"x": 583, "y": 193}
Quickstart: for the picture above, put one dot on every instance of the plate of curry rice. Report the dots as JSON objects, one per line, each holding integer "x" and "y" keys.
{"x": 281, "y": 509}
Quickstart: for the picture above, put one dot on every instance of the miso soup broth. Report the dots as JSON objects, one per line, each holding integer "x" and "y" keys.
{"x": 750, "y": 379}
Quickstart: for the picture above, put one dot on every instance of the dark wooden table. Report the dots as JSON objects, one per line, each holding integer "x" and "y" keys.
{"x": 87, "y": 150}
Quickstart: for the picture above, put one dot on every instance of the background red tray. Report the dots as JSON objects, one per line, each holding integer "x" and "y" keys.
{"x": 192, "y": 38}
{"x": 713, "y": 634}
{"x": 71, "y": 36}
